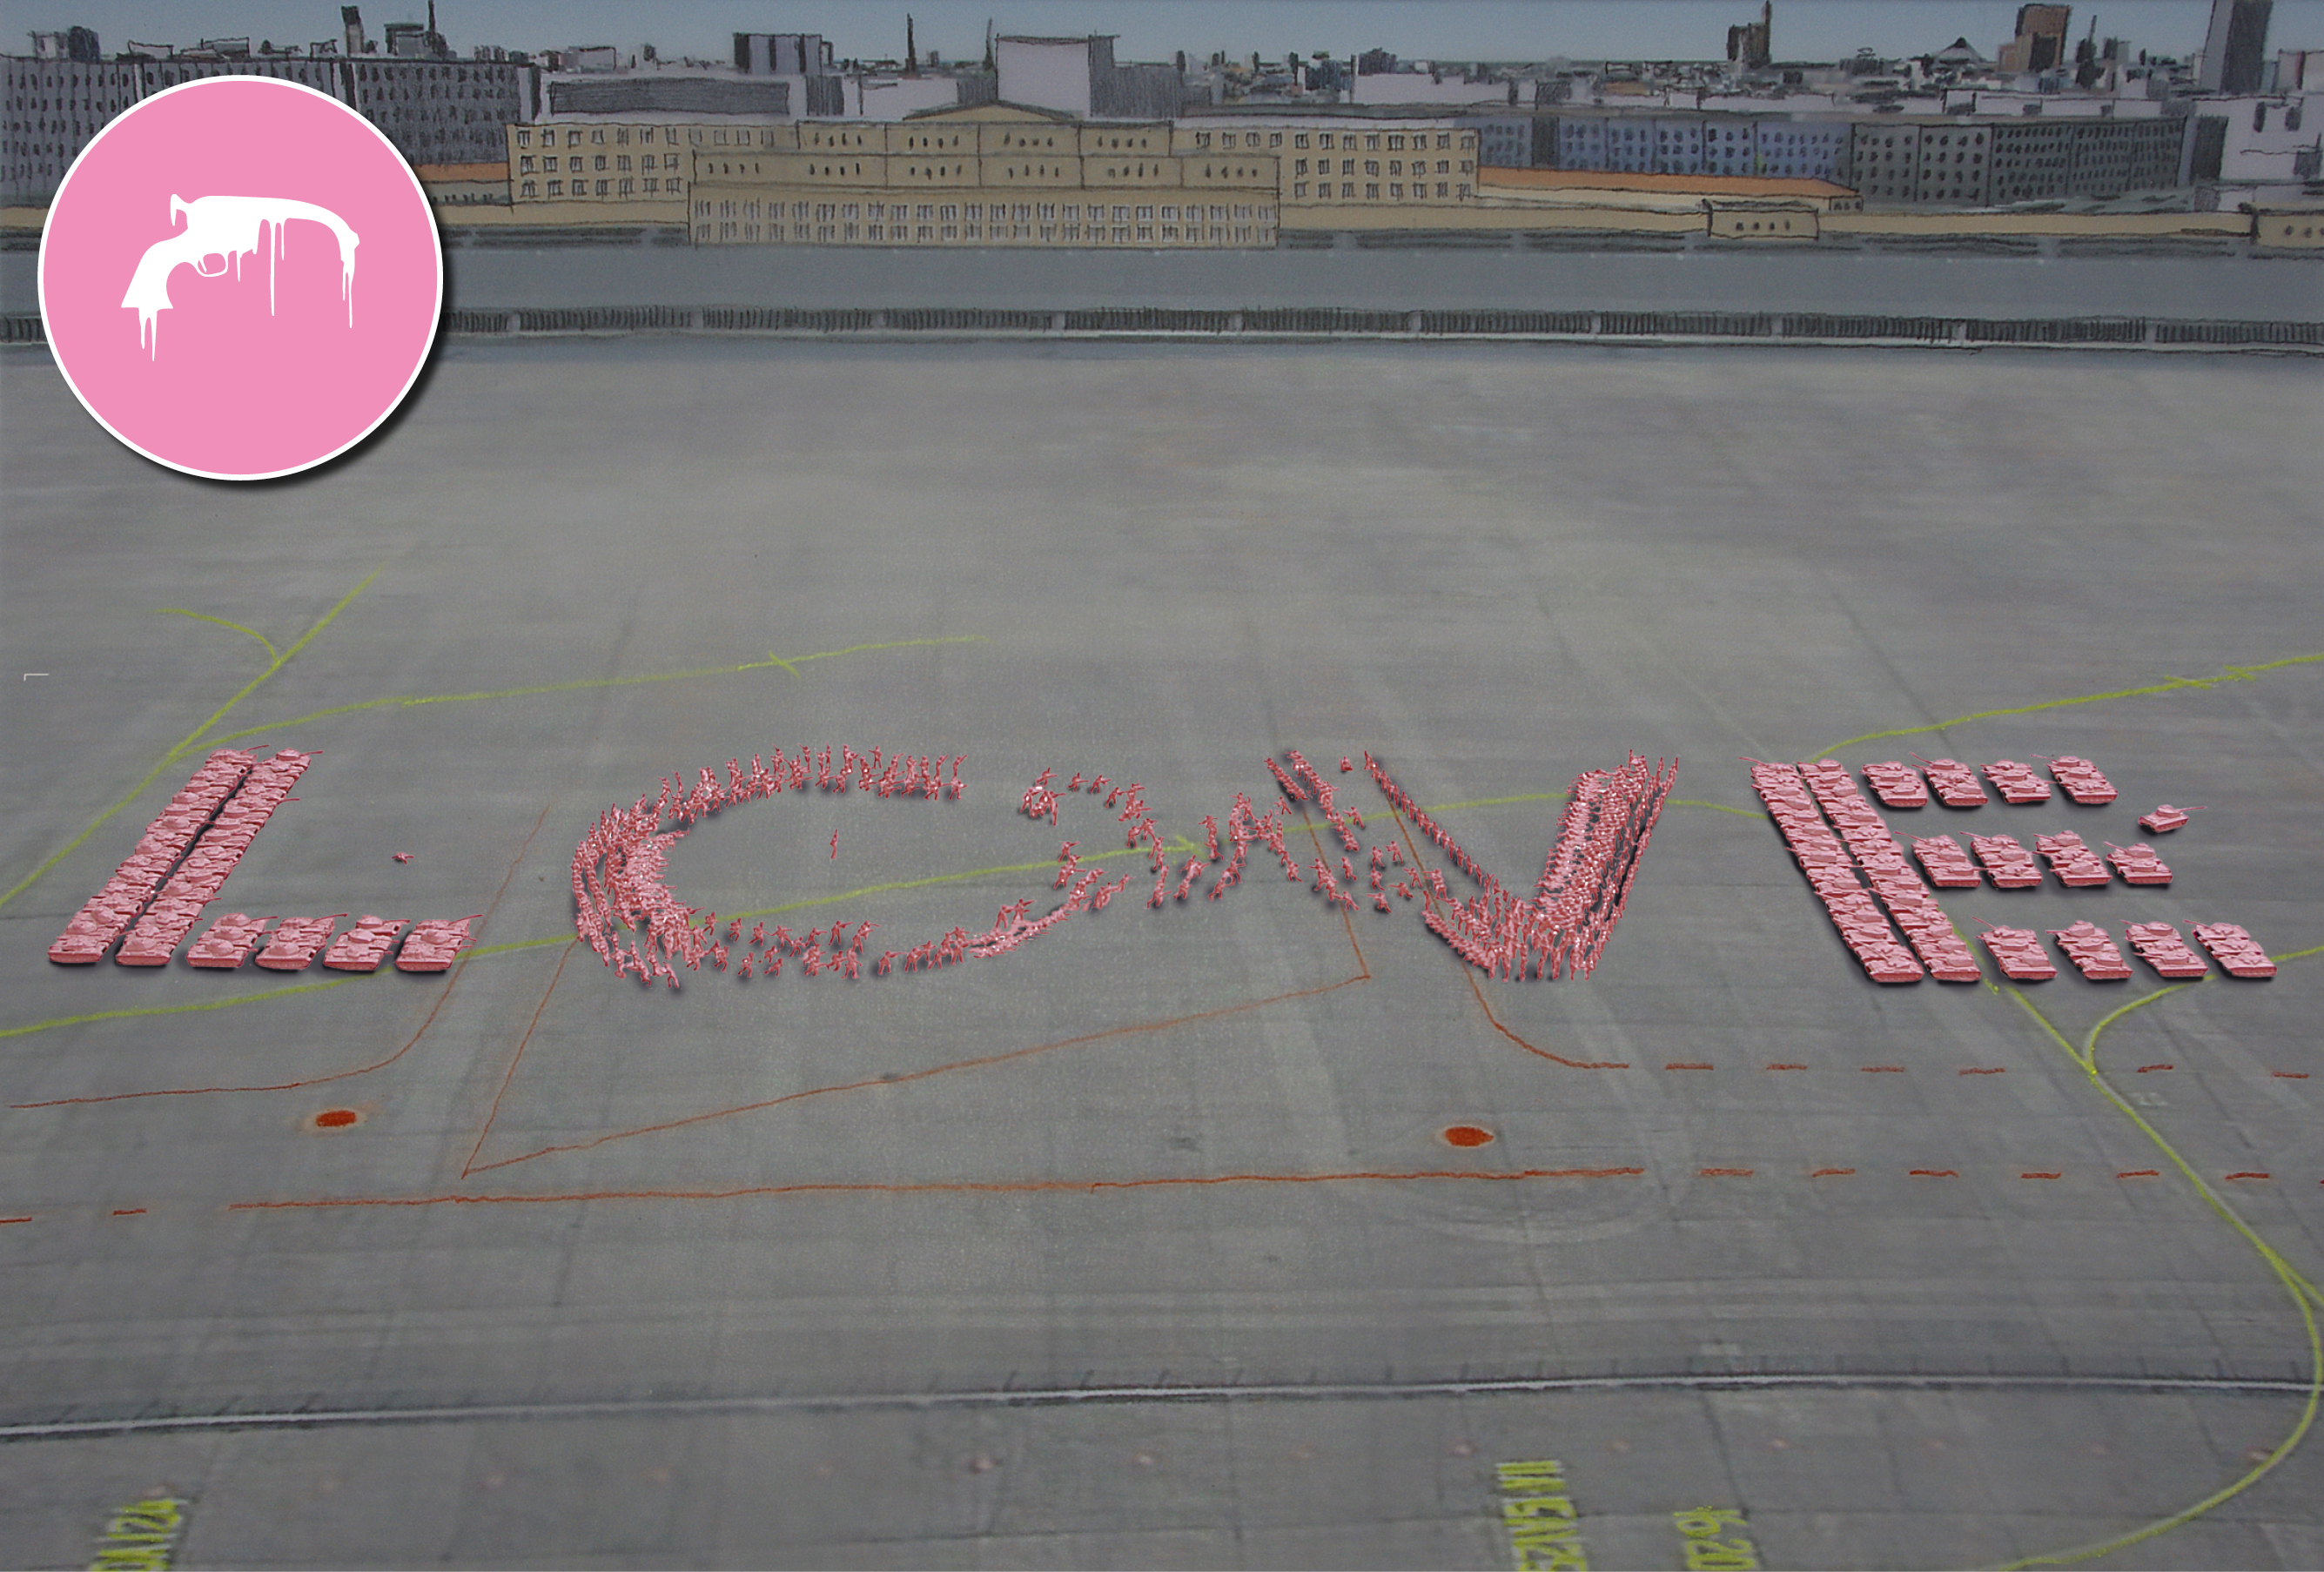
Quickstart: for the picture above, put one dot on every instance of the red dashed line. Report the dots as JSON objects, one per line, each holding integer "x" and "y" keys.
{"x": 1934, "y": 1173}
{"x": 1787, "y": 1067}
{"x": 1831, "y": 1173}
{"x": 1727, "y": 1172}
{"x": 2247, "y": 1176}
{"x": 2140, "y": 1173}
{"x": 1995, "y": 1070}
{"x": 1881, "y": 1069}
{"x": 1687, "y": 1066}
{"x": 129, "y": 1211}
{"x": 2289, "y": 1075}
{"x": 2041, "y": 1176}
{"x": 15, "y": 1219}
{"x": 2144, "y": 1067}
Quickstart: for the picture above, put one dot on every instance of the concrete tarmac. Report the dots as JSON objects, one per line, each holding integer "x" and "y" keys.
{"x": 809, "y": 1272}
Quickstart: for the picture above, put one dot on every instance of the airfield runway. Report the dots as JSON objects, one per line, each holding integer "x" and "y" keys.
{"x": 1146, "y": 1243}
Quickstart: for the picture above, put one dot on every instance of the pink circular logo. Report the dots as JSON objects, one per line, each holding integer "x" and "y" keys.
{"x": 240, "y": 277}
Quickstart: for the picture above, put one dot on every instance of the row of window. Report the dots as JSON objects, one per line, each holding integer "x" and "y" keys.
{"x": 1372, "y": 166}
{"x": 497, "y": 73}
{"x": 1395, "y": 140}
{"x": 893, "y": 234}
{"x": 548, "y": 134}
{"x": 654, "y": 187}
{"x": 1397, "y": 190}
{"x": 975, "y": 213}
{"x": 621, "y": 162}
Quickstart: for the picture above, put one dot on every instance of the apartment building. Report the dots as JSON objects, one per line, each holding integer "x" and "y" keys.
{"x": 1958, "y": 161}
{"x": 993, "y": 174}
{"x": 633, "y": 170}
{"x": 1346, "y": 164}
{"x": 435, "y": 112}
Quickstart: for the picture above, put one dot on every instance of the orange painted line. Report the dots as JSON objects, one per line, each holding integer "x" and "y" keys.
{"x": 129, "y": 1212}
{"x": 2042, "y": 1175}
{"x": 2144, "y": 1067}
{"x": 2140, "y": 1173}
{"x": 1932, "y": 1173}
{"x": 1363, "y": 971}
{"x": 1787, "y": 1067}
{"x": 963, "y": 1188}
{"x": 1881, "y": 1069}
{"x": 2248, "y": 1176}
{"x": 449, "y": 984}
{"x": 1833, "y": 1173}
{"x": 530, "y": 1026}
{"x": 956, "y": 1066}
{"x": 1575, "y": 1064}
{"x": 2289, "y": 1075}
{"x": 1727, "y": 1172}
{"x": 1689, "y": 1067}
{"x": 1995, "y": 1070}
{"x": 1427, "y": 899}
{"x": 1362, "y": 974}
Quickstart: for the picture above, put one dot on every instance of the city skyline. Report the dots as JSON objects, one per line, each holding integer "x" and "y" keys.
{"x": 1471, "y": 30}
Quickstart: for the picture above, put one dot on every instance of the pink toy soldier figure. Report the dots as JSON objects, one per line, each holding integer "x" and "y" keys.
{"x": 887, "y": 959}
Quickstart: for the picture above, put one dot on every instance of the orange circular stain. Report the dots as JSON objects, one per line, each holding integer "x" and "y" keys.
{"x": 1467, "y": 1135}
{"x": 336, "y": 1118}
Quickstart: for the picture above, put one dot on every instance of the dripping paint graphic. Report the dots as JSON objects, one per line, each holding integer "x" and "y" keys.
{"x": 223, "y": 228}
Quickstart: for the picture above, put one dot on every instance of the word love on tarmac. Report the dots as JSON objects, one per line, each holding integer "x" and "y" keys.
{"x": 626, "y": 913}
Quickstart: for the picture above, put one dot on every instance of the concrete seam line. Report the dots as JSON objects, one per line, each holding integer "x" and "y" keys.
{"x": 1064, "y": 1397}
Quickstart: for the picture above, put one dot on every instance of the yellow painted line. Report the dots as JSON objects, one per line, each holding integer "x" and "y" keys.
{"x": 1718, "y": 807}
{"x": 1180, "y": 845}
{"x": 190, "y": 739}
{"x": 51, "y": 1025}
{"x": 1561, "y": 796}
{"x": 206, "y": 617}
{"x": 2226, "y": 674}
{"x": 409, "y": 701}
{"x": 2305, "y": 1296}
{"x": 514, "y": 946}
{"x": 417, "y": 700}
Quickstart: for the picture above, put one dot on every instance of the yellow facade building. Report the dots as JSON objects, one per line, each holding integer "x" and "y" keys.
{"x": 1348, "y": 172}
{"x": 992, "y": 174}
{"x": 609, "y": 171}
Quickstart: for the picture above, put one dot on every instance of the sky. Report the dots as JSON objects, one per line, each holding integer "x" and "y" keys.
{"x": 1446, "y": 29}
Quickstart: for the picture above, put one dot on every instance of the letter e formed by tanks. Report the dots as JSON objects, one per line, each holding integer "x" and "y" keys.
{"x": 227, "y": 228}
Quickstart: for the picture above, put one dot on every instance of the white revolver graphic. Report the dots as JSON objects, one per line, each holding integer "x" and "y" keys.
{"x": 223, "y": 228}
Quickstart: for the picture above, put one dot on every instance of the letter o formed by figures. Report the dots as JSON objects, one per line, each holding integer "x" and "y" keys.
{"x": 240, "y": 278}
